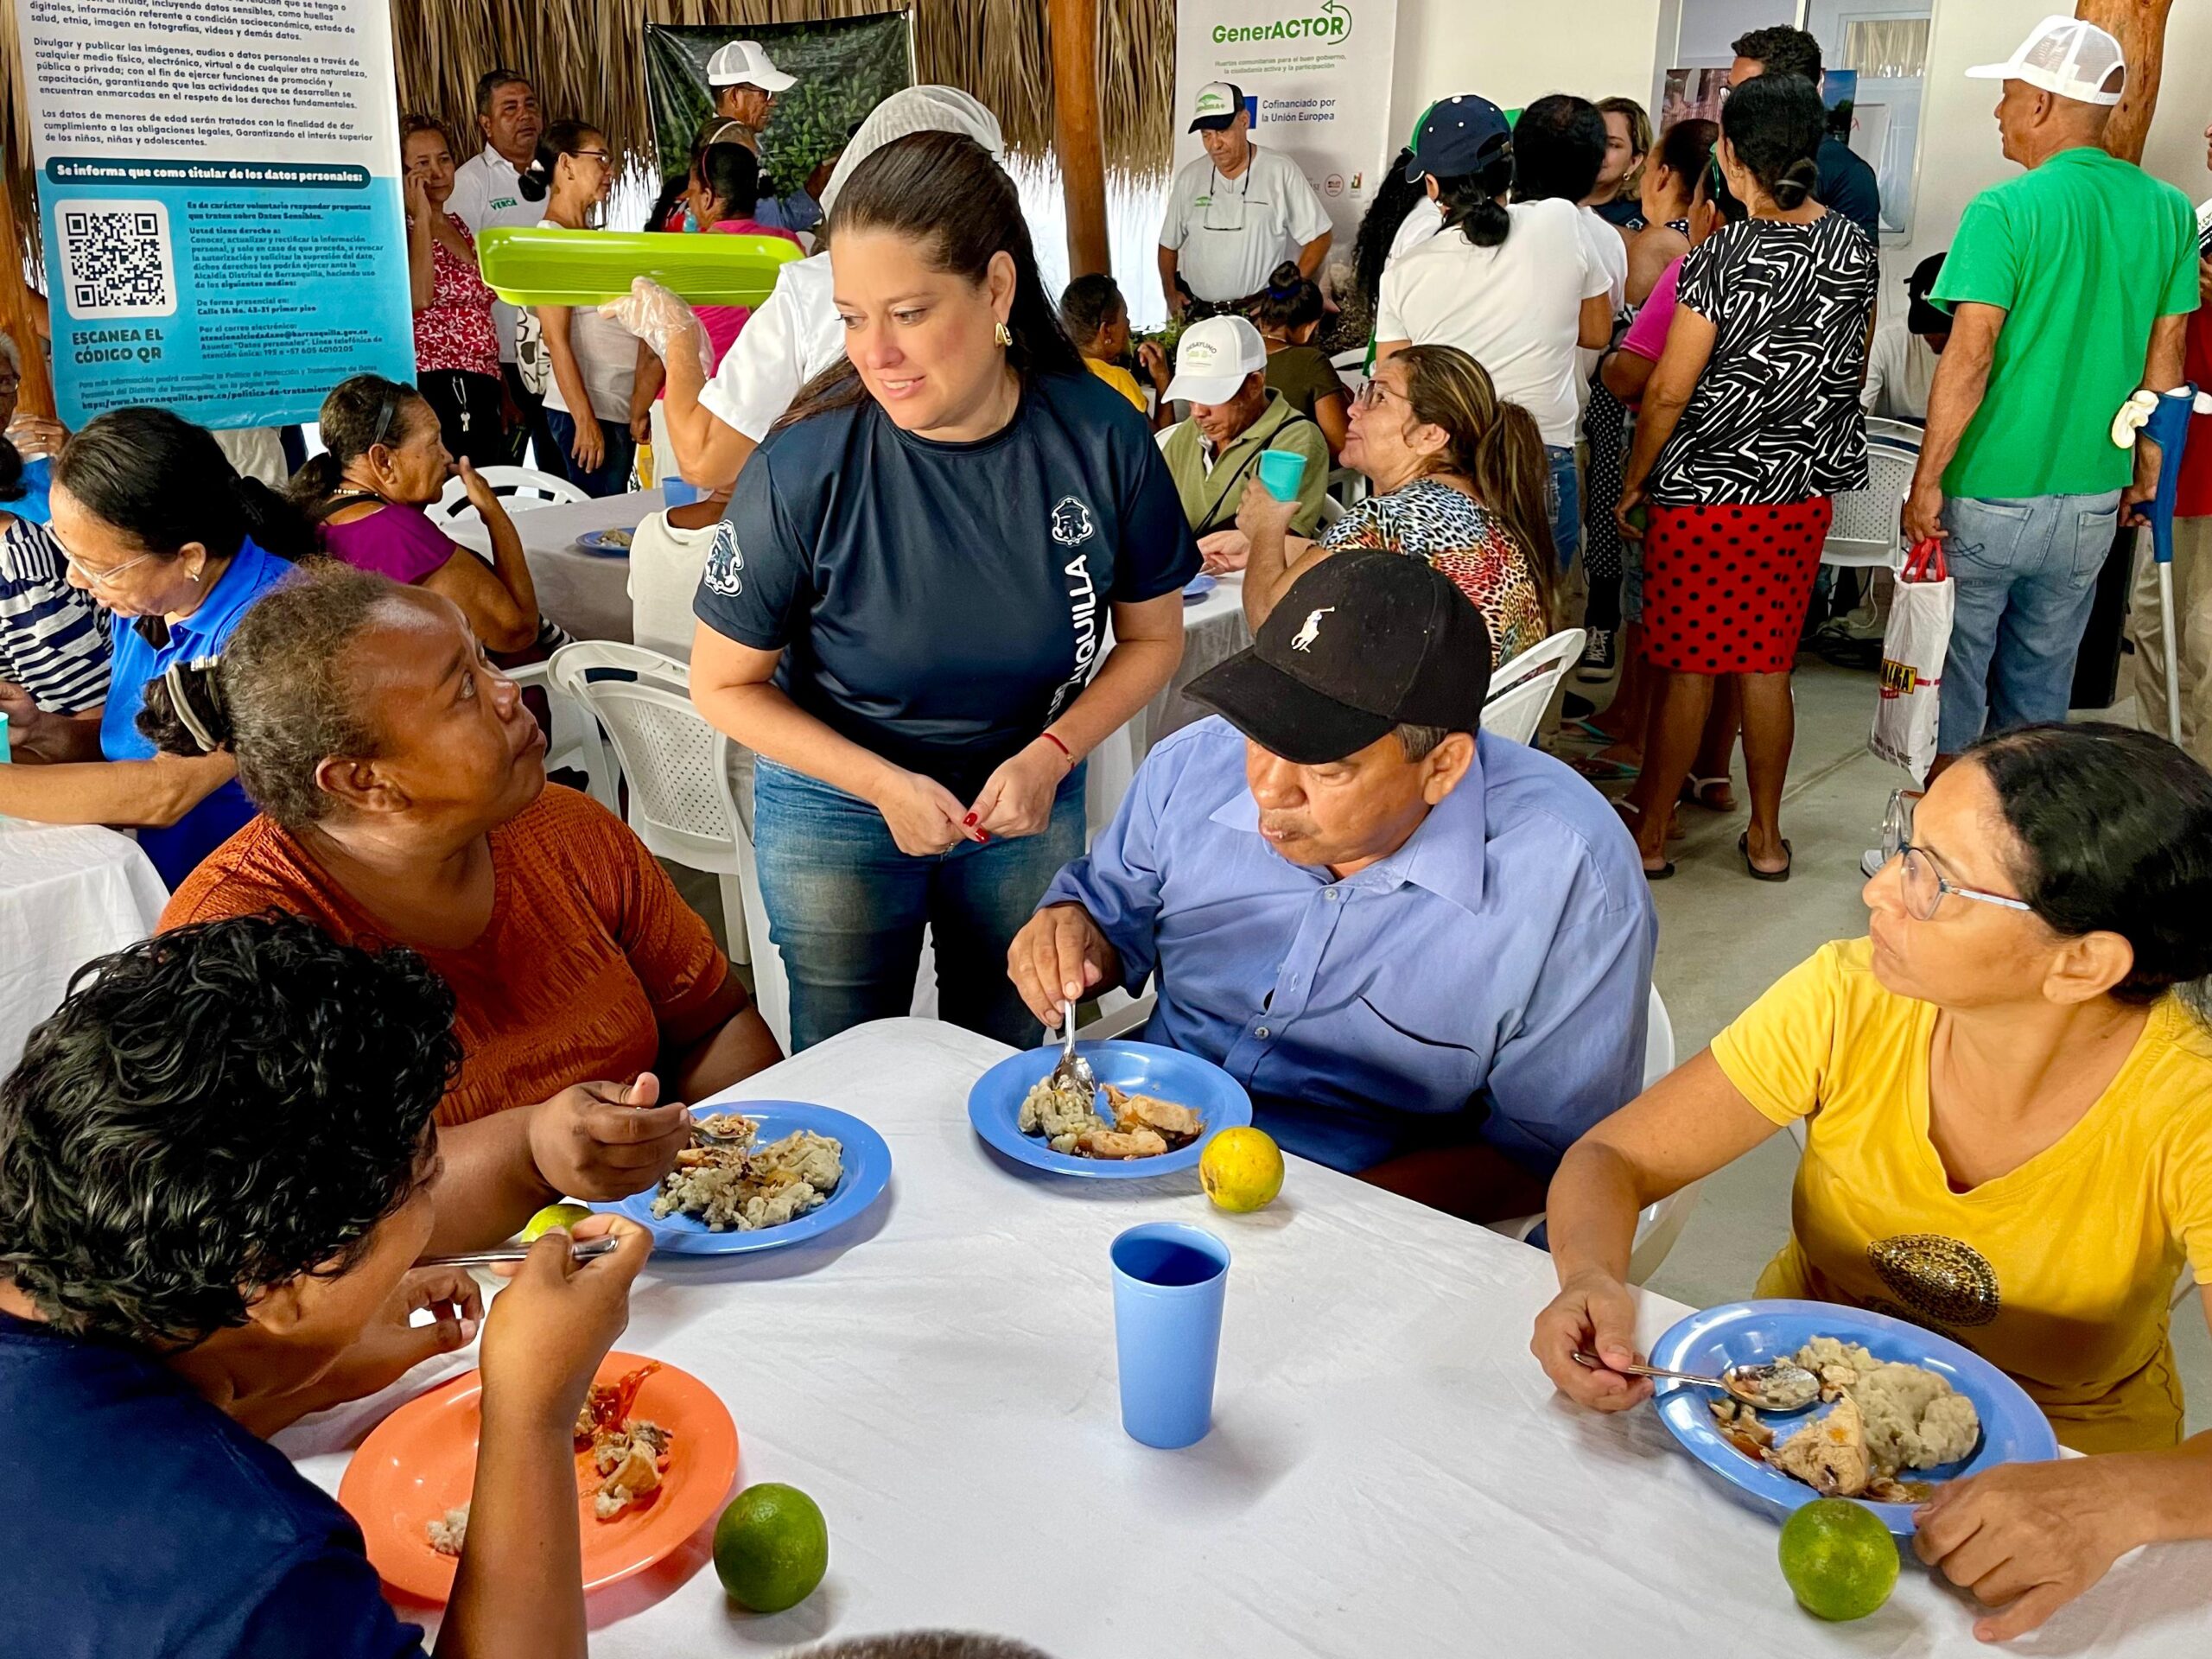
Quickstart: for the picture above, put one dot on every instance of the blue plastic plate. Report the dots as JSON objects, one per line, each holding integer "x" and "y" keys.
{"x": 867, "y": 1171}
{"x": 603, "y": 544}
{"x": 994, "y": 1104}
{"x": 1199, "y": 587}
{"x": 2012, "y": 1429}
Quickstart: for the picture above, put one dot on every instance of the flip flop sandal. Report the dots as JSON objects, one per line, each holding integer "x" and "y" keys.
{"x": 1743, "y": 846}
{"x": 1586, "y": 731}
{"x": 1598, "y": 769}
{"x": 1660, "y": 873}
{"x": 1695, "y": 789}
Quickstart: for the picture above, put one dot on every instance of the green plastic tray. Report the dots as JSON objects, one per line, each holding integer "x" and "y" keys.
{"x": 528, "y": 265}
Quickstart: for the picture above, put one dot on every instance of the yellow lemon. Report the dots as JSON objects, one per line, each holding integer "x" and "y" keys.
{"x": 1241, "y": 1170}
{"x": 552, "y": 1216}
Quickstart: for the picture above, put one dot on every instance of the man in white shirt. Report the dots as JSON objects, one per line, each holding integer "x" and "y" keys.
{"x": 744, "y": 84}
{"x": 1901, "y": 363}
{"x": 487, "y": 193}
{"x": 714, "y": 424}
{"x": 1518, "y": 289}
{"x": 1235, "y": 214}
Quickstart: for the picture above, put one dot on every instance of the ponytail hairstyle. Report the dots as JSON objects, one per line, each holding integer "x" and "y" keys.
{"x": 731, "y": 174}
{"x": 1775, "y": 124}
{"x": 1494, "y": 444}
{"x": 943, "y": 192}
{"x": 283, "y": 696}
{"x": 562, "y": 138}
{"x": 1471, "y": 201}
{"x": 1291, "y": 301}
{"x": 360, "y": 413}
{"x": 1396, "y": 195}
{"x": 163, "y": 482}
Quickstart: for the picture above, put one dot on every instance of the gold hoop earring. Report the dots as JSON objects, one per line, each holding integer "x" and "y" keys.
{"x": 1004, "y": 335}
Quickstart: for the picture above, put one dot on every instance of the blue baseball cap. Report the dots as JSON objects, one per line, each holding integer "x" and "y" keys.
{"x": 1459, "y": 136}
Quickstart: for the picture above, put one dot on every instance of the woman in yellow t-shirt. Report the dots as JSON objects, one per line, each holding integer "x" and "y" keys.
{"x": 2006, "y": 1090}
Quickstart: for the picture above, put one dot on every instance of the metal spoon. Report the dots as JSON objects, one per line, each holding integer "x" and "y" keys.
{"x": 1777, "y": 1386}
{"x": 1073, "y": 1071}
{"x": 584, "y": 1252}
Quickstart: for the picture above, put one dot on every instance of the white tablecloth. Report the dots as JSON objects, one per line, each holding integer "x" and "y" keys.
{"x": 1388, "y": 1473}
{"x": 587, "y": 595}
{"x": 69, "y": 893}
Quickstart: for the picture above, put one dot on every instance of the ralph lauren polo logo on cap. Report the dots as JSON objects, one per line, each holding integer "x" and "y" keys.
{"x": 1303, "y": 639}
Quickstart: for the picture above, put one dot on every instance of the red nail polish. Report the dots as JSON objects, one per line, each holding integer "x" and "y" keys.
{"x": 983, "y": 837}
{"x": 970, "y": 820}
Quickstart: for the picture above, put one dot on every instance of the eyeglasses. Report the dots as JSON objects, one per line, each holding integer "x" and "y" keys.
{"x": 100, "y": 578}
{"x": 1925, "y": 885}
{"x": 599, "y": 156}
{"x": 1373, "y": 395}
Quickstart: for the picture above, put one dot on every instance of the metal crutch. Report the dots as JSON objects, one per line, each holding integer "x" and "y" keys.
{"x": 2167, "y": 426}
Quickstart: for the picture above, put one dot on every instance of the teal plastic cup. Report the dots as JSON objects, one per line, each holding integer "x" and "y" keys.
{"x": 1281, "y": 471}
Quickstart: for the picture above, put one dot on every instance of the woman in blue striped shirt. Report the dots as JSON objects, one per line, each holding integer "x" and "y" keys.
{"x": 54, "y": 648}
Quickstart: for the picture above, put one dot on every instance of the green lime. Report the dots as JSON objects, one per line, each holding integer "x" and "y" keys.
{"x": 552, "y": 1216}
{"x": 772, "y": 1547}
{"x": 1839, "y": 1558}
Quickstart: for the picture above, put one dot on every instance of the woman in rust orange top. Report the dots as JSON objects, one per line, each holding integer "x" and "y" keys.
{"x": 402, "y": 796}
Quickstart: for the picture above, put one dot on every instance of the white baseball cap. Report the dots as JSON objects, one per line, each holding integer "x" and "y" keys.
{"x": 912, "y": 109}
{"x": 745, "y": 63}
{"x": 1215, "y": 359}
{"x": 1217, "y": 105}
{"x": 2068, "y": 57}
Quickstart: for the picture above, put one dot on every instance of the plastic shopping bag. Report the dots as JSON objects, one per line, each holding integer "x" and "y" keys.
{"x": 1913, "y": 649}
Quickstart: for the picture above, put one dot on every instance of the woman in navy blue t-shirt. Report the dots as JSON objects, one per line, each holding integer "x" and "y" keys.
{"x": 903, "y": 609}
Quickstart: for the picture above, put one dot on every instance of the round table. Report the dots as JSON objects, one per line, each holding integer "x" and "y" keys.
{"x": 69, "y": 893}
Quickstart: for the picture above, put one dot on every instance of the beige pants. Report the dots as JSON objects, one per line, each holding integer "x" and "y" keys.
{"x": 2192, "y": 631}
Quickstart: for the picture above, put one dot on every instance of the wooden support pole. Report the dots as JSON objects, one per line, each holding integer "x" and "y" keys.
{"x": 18, "y": 317}
{"x": 1076, "y": 129}
{"x": 2139, "y": 26}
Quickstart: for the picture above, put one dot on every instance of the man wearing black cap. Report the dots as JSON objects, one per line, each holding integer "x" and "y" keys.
{"x": 1901, "y": 363}
{"x": 1425, "y": 954}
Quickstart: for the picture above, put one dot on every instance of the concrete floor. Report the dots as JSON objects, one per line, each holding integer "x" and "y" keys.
{"x": 1724, "y": 938}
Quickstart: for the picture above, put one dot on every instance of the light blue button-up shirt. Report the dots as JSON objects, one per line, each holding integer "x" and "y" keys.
{"x": 1501, "y": 959}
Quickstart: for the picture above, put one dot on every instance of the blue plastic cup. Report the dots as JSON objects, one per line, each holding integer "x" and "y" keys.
{"x": 1281, "y": 471}
{"x": 1169, "y": 1279}
{"x": 676, "y": 492}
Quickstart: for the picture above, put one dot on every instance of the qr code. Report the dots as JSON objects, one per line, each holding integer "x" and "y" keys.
{"x": 116, "y": 258}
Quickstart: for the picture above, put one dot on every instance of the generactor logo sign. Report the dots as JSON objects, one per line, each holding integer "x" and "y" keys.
{"x": 1332, "y": 23}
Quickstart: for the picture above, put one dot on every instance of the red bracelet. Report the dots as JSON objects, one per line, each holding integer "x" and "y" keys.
{"x": 1061, "y": 747}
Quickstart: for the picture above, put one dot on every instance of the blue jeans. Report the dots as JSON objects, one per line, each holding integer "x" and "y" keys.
{"x": 846, "y": 908}
{"x": 1566, "y": 494}
{"x": 612, "y": 476}
{"x": 2024, "y": 575}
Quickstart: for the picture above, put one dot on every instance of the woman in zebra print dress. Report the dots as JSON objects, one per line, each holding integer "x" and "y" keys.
{"x": 1750, "y": 425}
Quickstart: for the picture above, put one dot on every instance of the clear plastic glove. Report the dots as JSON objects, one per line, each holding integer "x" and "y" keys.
{"x": 660, "y": 319}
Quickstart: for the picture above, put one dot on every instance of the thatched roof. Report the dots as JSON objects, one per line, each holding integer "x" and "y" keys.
{"x": 587, "y": 57}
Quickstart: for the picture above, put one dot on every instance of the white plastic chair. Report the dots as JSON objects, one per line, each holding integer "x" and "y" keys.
{"x": 519, "y": 489}
{"x": 681, "y": 804}
{"x": 574, "y": 743}
{"x": 1660, "y": 1224}
{"x": 1520, "y": 691}
{"x": 1866, "y": 529}
{"x": 1332, "y": 509}
{"x": 1900, "y": 435}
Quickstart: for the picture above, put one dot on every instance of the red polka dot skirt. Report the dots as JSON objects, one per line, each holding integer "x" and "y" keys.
{"x": 1725, "y": 589}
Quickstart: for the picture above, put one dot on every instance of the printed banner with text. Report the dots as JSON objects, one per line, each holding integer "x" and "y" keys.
{"x": 1316, "y": 78}
{"x": 219, "y": 191}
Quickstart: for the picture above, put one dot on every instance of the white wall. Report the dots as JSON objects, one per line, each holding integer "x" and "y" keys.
{"x": 1513, "y": 51}
{"x": 1959, "y": 154}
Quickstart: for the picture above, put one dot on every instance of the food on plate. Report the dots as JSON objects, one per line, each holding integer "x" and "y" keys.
{"x": 1884, "y": 1417}
{"x": 1143, "y": 1127}
{"x": 450, "y": 1531}
{"x": 772, "y": 1547}
{"x": 744, "y": 1187}
{"x": 1840, "y": 1560}
{"x": 614, "y": 538}
{"x": 1241, "y": 1170}
{"x": 628, "y": 1454}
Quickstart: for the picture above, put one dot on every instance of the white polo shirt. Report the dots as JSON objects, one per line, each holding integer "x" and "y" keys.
{"x": 1608, "y": 249}
{"x": 1517, "y": 308}
{"x": 794, "y": 335}
{"x": 1230, "y": 234}
{"x": 484, "y": 195}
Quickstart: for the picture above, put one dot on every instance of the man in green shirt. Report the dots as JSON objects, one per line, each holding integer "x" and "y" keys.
{"x": 1221, "y": 367}
{"x": 2068, "y": 288}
